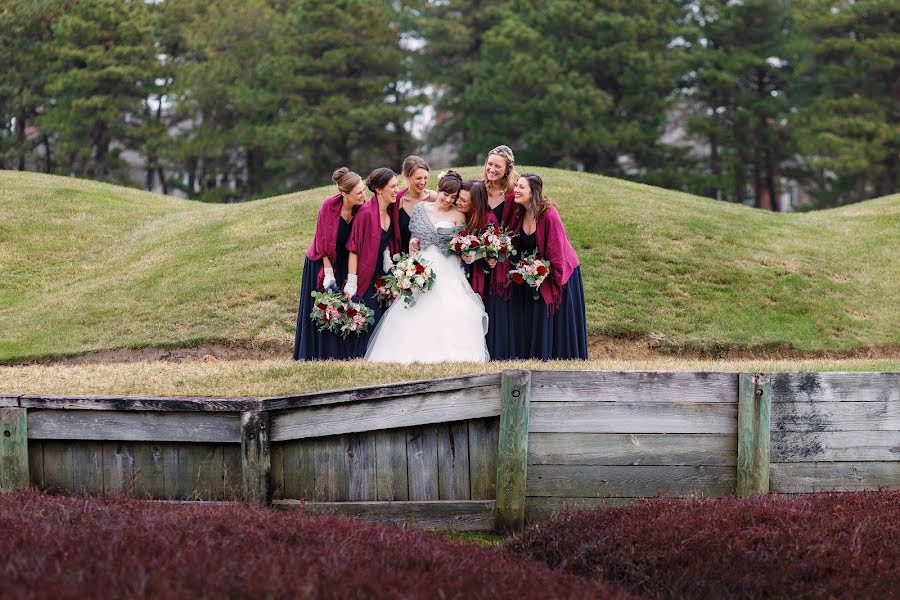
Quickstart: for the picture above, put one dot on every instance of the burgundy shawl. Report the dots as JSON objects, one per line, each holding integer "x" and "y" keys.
{"x": 324, "y": 242}
{"x": 554, "y": 246}
{"x": 365, "y": 238}
{"x": 512, "y": 220}
{"x": 479, "y": 279}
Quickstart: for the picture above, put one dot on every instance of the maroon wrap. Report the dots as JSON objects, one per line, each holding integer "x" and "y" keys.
{"x": 553, "y": 245}
{"x": 324, "y": 243}
{"x": 365, "y": 238}
{"x": 479, "y": 279}
{"x": 512, "y": 220}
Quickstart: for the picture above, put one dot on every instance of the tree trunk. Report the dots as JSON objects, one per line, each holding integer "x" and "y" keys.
{"x": 715, "y": 168}
{"x": 20, "y": 136}
{"x": 48, "y": 157}
{"x": 162, "y": 180}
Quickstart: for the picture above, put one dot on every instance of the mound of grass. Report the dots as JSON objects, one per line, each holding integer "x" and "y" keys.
{"x": 808, "y": 546}
{"x": 84, "y": 547}
{"x": 86, "y": 266}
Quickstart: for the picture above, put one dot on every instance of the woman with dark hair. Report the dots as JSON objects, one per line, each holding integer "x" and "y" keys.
{"x": 416, "y": 171}
{"x": 446, "y": 323}
{"x": 554, "y": 322}
{"x": 371, "y": 245}
{"x": 326, "y": 263}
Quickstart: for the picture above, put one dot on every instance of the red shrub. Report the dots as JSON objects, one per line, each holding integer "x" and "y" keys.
{"x": 811, "y": 546}
{"x": 56, "y": 547}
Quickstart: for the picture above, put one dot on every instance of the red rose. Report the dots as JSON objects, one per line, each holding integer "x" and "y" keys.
{"x": 475, "y": 243}
{"x": 542, "y": 270}
{"x": 457, "y": 247}
{"x": 340, "y": 308}
{"x": 379, "y": 282}
{"x": 463, "y": 233}
{"x": 351, "y": 312}
{"x": 321, "y": 306}
{"x": 419, "y": 269}
{"x": 517, "y": 277}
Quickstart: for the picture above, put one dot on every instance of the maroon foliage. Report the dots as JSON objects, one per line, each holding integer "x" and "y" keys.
{"x": 60, "y": 547}
{"x": 810, "y": 546}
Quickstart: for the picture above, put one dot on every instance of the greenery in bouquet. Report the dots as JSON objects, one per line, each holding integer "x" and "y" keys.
{"x": 530, "y": 270}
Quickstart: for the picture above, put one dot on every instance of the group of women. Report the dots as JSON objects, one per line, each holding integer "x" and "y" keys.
{"x": 473, "y": 312}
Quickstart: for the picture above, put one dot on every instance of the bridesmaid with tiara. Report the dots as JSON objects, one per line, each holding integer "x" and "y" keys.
{"x": 554, "y": 321}
{"x": 416, "y": 171}
{"x": 371, "y": 244}
{"x": 326, "y": 263}
{"x": 503, "y": 302}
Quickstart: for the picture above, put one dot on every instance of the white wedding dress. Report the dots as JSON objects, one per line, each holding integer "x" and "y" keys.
{"x": 447, "y": 323}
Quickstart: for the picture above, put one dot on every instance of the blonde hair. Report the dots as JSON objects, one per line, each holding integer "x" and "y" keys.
{"x": 345, "y": 179}
{"x": 509, "y": 181}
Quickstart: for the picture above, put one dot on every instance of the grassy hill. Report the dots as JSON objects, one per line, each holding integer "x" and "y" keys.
{"x": 86, "y": 266}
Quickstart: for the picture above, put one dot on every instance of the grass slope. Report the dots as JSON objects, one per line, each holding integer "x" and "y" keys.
{"x": 87, "y": 266}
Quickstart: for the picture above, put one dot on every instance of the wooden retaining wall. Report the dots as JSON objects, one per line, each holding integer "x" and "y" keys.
{"x": 471, "y": 452}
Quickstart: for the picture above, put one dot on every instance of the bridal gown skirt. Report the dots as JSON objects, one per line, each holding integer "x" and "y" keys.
{"x": 447, "y": 322}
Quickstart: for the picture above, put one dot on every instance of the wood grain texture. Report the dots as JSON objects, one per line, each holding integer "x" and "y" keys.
{"x": 754, "y": 427}
{"x": 512, "y": 454}
{"x": 361, "y": 457}
{"x": 155, "y": 470}
{"x": 544, "y": 509}
{"x": 332, "y": 478}
{"x": 278, "y": 471}
{"x": 392, "y": 482}
{"x": 406, "y": 411}
{"x": 835, "y": 387}
{"x": 631, "y": 449}
{"x": 827, "y": 446}
{"x": 13, "y": 449}
{"x": 118, "y": 468}
{"x": 300, "y": 469}
{"x": 836, "y": 416}
{"x": 200, "y": 472}
{"x": 459, "y": 515}
{"x": 140, "y": 403}
{"x": 629, "y": 481}
{"x": 58, "y": 468}
{"x": 422, "y": 461}
{"x": 7, "y": 401}
{"x": 231, "y": 472}
{"x": 633, "y": 386}
{"x": 453, "y": 461}
{"x": 839, "y": 476}
{"x": 484, "y": 441}
{"x": 36, "y": 463}
{"x": 136, "y": 426}
{"x": 256, "y": 459}
{"x": 624, "y": 417}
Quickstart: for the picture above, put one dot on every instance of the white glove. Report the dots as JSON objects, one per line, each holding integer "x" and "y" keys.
{"x": 328, "y": 280}
{"x": 350, "y": 286}
{"x": 386, "y": 263}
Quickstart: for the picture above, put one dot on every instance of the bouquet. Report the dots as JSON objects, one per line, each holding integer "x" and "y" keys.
{"x": 497, "y": 243}
{"x": 466, "y": 244}
{"x": 531, "y": 270}
{"x": 357, "y": 318}
{"x": 408, "y": 276}
{"x": 328, "y": 310}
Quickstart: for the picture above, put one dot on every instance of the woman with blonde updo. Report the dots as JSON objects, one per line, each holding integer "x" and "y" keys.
{"x": 416, "y": 172}
{"x": 326, "y": 264}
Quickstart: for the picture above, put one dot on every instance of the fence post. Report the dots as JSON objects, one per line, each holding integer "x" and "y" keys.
{"x": 754, "y": 433}
{"x": 13, "y": 449}
{"x": 256, "y": 463}
{"x": 512, "y": 458}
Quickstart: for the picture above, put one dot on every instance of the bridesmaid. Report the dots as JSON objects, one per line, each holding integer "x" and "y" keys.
{"x": 416, "y": 171}
{"x": 371, "y": 245}
{"x": 503, "y": 302}
{"x": 326, "y": 263}
{"x": 554, "y": 322}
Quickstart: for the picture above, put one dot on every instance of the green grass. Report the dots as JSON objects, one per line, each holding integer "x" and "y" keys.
{"x": 86, "y": 266}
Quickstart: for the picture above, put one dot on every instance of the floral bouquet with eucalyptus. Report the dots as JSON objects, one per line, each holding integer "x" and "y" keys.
{"x": 409, "y": 275}
{"x": 466, "y": 244}
{"x": 497, "y": 243}
{"x": 530, "y": 270}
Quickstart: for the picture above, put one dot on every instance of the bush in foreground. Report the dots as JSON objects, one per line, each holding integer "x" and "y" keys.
{"x": 55, "y": 547}
{"x": 812, "y": 546}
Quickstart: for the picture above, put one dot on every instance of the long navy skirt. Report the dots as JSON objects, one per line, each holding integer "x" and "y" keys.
{"x": 309, "y": 343}
{"x": 359, "y": 343}
{"x": 505, "y": 339}
{"x": 560, "y": 336}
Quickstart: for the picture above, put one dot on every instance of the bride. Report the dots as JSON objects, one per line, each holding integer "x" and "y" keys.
{"x": 448, "y": 322}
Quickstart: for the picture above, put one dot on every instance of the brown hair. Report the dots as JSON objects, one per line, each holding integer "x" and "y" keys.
{"x": 476, "y": 218}
{"x": 345, "y": 179}
{"x": 540, "y": 203}
{"x": 450, "y": 183}
{"x": 379, "y": 178}
{"x": 509, "y": 181}
{"x": 411, "y": 163}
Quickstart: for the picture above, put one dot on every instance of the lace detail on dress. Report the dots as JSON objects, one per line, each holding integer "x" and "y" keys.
{"x": 429, "y": 235}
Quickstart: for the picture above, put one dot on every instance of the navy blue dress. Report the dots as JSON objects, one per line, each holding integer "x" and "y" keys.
{"x": 504, "y": 336}
{"x": 563, "y": 335}
{"x": 361, "y": 342}
{"x": 405, "y": 234}
{"x": 309, "y": 342}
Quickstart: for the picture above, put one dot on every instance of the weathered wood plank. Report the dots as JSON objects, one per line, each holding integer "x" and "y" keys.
{"x": 512, "y": 455}
{"x": 332, "y": 478}
{"x": 36, "y": 463}
{"x": 58, "y": 470}
{"x": 7, "y": 401}
{"x": 453, "y": 461}
{"x": 118, "y": 468}
{"x": 231, "y": 471}
{"x": 383, "y": 392}
{"x": 256, "y": 460}
{"x": 841, "y": 476}
{"x": 624, "y": 417}
{"x": 836, "y": 416}
{"x": 361, "y": 466}
{"x": 391, "y": 466}
{"x": 632, "y": 449}
{"x": 386, "y": 414}
{"x": 633, "y": 386}
{"x": 422, "y": 461}
{"x": 846, "y": 446}
{"x": 484, "y": 441}
{"x": 156, "y": 470}
{"x": 13, "y": 449}
{"x": 125, "y": 426}
{"x": 300, "y": 469}
{"x": 754, "y": 427}
{"x": 200, "y": 472}
{"x": 87, "y": 466}
{"x": 629, "y": 481}
{"x": 277, "y": 471}
{"x": 835, "y": 387}
{"x": 458, "y": 515}
{"x": 546, "y": 508}
{"x": 138, "y": 403}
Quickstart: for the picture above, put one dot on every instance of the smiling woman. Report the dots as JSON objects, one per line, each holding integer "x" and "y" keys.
{"x": 416, "y": 171}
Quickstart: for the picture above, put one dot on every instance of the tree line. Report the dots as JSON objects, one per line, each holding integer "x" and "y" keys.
{"x": 226, "y": 100}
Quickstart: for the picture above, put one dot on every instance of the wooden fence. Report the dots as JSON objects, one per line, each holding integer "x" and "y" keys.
{"x": 474, "y": 452}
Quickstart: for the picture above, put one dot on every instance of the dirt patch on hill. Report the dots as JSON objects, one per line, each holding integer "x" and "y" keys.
{"x": 599, "y": 347}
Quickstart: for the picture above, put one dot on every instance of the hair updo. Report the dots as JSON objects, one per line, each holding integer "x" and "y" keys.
{"x": 450, "y": 182}
{"x": 412, "y": 163}
{"x": 379, "y": 178}
{"x": 345, "y": 179}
